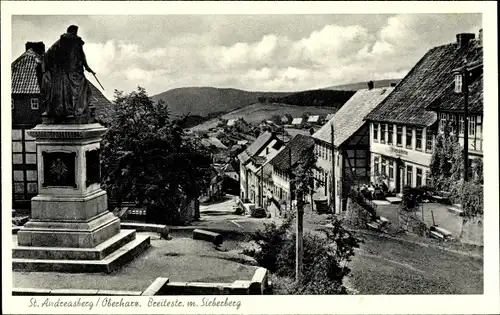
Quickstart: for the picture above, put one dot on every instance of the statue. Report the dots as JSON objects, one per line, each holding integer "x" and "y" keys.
{"x": 65, "y": 90}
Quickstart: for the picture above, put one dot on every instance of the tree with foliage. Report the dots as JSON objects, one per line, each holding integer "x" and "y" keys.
{"x": 447, "y": 160}
{"x": 148, "y": 158}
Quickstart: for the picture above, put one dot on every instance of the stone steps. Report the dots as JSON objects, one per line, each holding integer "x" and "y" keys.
{"x": 111, "y": 262}
{"x": 63, "y": 253}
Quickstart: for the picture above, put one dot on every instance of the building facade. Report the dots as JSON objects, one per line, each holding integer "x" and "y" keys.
{"x": 351, "y": 165}
{"x": 252, "y": 166}
{"x": 26, "y": 114}
{"x": 403, "y": 129}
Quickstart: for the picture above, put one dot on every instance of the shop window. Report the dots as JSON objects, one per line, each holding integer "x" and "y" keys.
{"x": 376, "y": 162}
{"x": 419, "y": 177}
{"x": 384, "y": 167}
{"x": 461, "y": 125}
{"x": 391, "y": 170}
{"x": 409, "y": 175}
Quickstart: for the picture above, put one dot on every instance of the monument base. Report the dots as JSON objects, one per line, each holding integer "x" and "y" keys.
{"x": 71, "y": 229}
{"x": 106, "y": 257}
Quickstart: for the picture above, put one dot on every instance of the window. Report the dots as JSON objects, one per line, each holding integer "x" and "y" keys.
{"x": 419, "y": 177}
{"x": 409, "y": 137}
{"x": 399, "y": 135}
{"x": 383, "y": 127}
{"x": 391, "y": 170}
{"x": 384, "y": 166}
{"x": 453, "y": 123}
{"x": 458, "y": 83}
{"x": 442, "y": 121}
{"x": 461, "y": 125}
{"x": 428, "y": 178}
{"x": 390, "y": 134}
{"x": 375, "y": 131}
{"x": 34, "y": 103}
{"x": 376, "y": 162}
{"x": 419, "y": 138}
{"x": 409, "y": 174}
{"x": 472, "y": 125}
{"x": 429, "y": 142}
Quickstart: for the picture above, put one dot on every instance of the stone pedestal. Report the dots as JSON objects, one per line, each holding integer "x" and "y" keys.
{"x": 70, "y": 227}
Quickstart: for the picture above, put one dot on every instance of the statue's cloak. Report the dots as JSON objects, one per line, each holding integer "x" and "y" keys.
{"x": 66, "y": 90}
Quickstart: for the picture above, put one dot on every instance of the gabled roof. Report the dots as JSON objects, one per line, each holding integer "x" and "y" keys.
{"x": 294, "y": 149}
{"x": 428, "y": 79}
{"x": 24, "y": 76}
{"x": 297, "y": 121}
{"x": 454, "y": 102}
{"x": 255, "y": 147}
{"x": 350, "y": 117}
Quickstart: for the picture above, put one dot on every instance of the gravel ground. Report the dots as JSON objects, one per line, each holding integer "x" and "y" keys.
{"x": 383, "y": 266}
{"x": 180, "y": 259}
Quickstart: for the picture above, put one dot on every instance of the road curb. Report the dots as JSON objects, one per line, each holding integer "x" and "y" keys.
{"x": 472, "y": 255}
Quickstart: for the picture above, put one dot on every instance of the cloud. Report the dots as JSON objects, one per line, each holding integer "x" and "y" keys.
{"x": 254, "y": 52}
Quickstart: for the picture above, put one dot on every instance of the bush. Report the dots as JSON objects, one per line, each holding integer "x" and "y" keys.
{"x": 326, "y": 254}
{"x": 470, "y": 196}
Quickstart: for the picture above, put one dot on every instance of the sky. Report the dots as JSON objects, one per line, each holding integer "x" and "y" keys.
{"x": 250, "y": 52}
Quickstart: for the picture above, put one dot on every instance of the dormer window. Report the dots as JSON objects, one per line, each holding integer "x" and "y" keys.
{"x": 34, "y": 103}
{"x": 458, "y": 83}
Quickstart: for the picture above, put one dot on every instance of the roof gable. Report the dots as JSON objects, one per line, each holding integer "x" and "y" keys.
{"x": 427, "y": 80}
{"x": 350, "y": 117}
{"x": 255, "y": 147}
{"x": 24, "y": 73}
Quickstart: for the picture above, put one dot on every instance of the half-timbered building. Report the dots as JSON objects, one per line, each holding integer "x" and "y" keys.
{"x": 351, "y": 147}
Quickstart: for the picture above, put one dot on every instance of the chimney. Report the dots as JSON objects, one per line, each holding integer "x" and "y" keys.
{"x": 463, "y": 39}
{"x": 38, "y": 47}
{"x": 370, "y": 85}
{"x": 393, "y": 84}
{"x": 480, "y": 37}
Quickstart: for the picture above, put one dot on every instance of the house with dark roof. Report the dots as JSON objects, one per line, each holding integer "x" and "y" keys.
{"x": 351, "y": 147}
{"x": 252, "y": 162}
{"x": 403, "y": 129}
{"x": 279, "y": 185}
{"x": 26, "y": 114}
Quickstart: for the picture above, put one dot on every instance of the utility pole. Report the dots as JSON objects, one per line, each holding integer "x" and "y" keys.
{"x": 465, "y": 93}
{"x": 333, "y": 197}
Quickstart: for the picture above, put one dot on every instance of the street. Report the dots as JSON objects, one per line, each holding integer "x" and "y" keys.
{"x": 381, "y": 265}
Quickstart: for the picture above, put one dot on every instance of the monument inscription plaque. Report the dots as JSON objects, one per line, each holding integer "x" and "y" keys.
{"x": 93, "y": 167}
{"x": 59, "y": 169}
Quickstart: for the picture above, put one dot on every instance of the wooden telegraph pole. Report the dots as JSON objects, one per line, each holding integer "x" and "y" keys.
{"x": 333, "y": 197}
{"x": 465, "y": 93}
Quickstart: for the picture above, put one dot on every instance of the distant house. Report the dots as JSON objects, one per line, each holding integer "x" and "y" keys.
{"x": 252, "y": 161}
{"x": 239, "y": 123}
{"x": 351, "y": 147}
{"x": 313, "y": 119}
{"x": 242, "y": 142}
{"x": 297, "y": 122}
{"x": 282, "y": 164}
{"x": 26, "y": 114}
{"x": 403, "y": 129}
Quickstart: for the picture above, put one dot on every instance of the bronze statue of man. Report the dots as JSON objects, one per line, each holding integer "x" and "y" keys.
{"x": 65, "y": 90}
